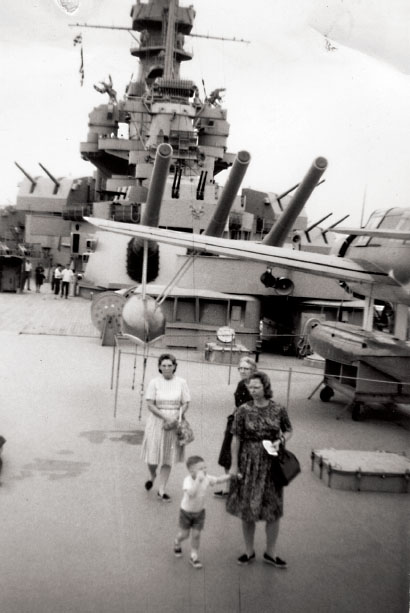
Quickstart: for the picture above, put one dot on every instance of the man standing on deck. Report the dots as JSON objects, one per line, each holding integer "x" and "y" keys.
{"x": 58, "y": 273}
{"x": 28, "y": 267}
{"x": 67, "y": 277}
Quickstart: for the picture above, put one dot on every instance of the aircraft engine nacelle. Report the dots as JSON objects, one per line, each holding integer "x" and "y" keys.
{"x": 142, "y": 318}
{"x": 282, "y": 285}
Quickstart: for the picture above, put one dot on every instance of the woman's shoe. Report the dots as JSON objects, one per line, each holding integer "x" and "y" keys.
{"x": 245, "y": 559}
{"x": 148, "y": 485}
{"x": 277, "y": 562}
{"x": 195, "y": 562}
{"x": 164, "y": 497}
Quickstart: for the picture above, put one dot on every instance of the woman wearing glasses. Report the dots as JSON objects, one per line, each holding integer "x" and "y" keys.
{"x": 246, "y": 368}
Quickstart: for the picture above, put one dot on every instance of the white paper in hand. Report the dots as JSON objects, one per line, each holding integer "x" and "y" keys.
{"x": 269, "y": 447}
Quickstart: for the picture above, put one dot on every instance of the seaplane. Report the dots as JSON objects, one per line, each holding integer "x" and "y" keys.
{"x": 373, "y": 263}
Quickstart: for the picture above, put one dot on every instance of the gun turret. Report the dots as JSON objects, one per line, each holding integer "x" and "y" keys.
{"x": 150, "y": 217}
{"x": 283, "y": 226}
{"x": 218, "y": 221}
{"x": 54, "y": 180}
{"x": 314, "y": 225}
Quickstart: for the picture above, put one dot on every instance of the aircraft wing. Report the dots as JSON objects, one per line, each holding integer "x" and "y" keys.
{"x": 376, "y": 233}
{"x": 314, "y": 263}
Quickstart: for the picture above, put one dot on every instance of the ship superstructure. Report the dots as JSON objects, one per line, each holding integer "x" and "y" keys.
{"x": 162, "y": 116}
{"x": 158, "y": 107}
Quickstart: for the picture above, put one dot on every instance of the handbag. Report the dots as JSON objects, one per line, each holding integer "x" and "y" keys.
{"x": 285, "y": 467}
{"x": 185, "y": 434}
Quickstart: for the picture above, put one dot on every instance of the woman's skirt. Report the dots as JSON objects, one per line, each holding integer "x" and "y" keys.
{"x": 161, "y": 446}
{"x": 255, "y": 497}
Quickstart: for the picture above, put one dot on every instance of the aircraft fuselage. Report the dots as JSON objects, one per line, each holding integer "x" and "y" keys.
{"x": 388, "y": 254}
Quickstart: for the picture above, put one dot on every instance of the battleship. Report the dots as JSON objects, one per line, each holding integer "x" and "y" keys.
{"x": 80, "y": 533}
{"x": 157, "y": 154}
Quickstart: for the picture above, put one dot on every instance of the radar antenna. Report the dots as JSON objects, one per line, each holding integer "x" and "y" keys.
{"x": 102, "y": 27}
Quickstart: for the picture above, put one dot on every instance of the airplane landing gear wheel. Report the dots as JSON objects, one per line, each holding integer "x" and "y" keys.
{"x": 357, "y": 412}
{"x": 326, "y": 394}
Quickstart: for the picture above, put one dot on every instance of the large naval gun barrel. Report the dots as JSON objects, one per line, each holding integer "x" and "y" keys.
{"x": 156, "y": 189}
{"x": 150, "y": 217}
{"x": 217, "y": 223}
{"x": 283, "y": 226}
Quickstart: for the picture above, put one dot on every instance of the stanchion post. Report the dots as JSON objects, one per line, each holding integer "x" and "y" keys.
{"x": 113, "y": 362}
{"x": 117, "y": 381}
{"x": 230, "y": 361}
{"x": 289, "y": 384}
{"x": 135, "y": 367}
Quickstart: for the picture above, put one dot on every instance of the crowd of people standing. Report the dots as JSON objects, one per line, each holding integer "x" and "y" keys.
{"x": 61, "y": 278}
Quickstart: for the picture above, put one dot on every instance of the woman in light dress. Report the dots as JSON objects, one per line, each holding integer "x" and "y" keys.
{"x": 167, "y": 398}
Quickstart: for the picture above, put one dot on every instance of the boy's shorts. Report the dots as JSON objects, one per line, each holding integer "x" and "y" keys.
{"x": 189, "y": 519}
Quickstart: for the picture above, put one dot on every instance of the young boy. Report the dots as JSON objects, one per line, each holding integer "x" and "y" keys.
{"x": 192, "y": 511}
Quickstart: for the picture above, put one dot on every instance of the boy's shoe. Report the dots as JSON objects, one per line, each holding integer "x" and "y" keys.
{"x": 164, "y": 497}
{"x": 245, "y": 559}
{"x": 277, "y": 562}
{"x": 177, "y": 550}
{"x": 195, "y": 562}
{"x": 220, "y": 494}
{"x": 148, "y": 485}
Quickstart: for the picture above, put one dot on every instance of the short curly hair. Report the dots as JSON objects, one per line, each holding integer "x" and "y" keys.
{"x": 167, "y": 356}
{"x": 264, "y": 379}
{"x": 249, "y": 362}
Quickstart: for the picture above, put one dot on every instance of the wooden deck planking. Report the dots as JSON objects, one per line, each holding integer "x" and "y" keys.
{"x": 32, "y": 313}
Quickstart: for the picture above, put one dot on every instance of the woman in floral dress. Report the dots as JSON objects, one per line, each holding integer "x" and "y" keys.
{"x": 253, "y": 496}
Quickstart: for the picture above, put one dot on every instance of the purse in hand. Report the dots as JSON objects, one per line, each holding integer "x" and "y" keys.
{"x": 285, "y": 467}
{"x": 185, "y": 434}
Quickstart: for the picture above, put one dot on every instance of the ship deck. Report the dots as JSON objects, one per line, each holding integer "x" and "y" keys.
{"x": 81, "y": 534}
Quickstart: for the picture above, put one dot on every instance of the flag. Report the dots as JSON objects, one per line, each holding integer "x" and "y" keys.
{"x": 81, "y": 71}
{"x": 78, "y": 40}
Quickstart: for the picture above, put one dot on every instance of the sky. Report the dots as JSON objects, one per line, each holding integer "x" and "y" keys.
{"x": 291, "y": 94}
